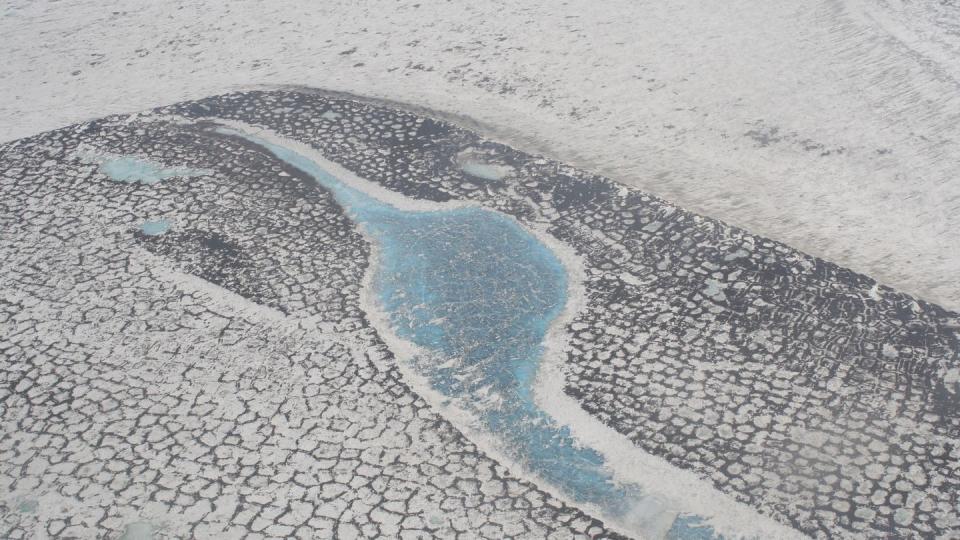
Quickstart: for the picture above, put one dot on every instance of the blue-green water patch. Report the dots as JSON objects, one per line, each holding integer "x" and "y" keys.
{"x": 140, "y": 530}
{"x": 131, "y": 169}
{"x": 477, "y": 165}
{"x": 689, "y": 527}
{"x": 155, "y": 227}
{"x": 485, "y": 171}
{"x": 477, "y": 293}
{"x": 28, "y": 506}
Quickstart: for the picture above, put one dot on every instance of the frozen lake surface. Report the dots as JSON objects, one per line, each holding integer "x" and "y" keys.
{"x": 477, "y": 293}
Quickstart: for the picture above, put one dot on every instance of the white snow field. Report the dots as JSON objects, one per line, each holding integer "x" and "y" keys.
{"x": 830, "y": 125}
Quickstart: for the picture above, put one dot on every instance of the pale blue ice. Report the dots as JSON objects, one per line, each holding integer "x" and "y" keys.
{"x": 140, "y": 530}
{"x": 485, "y": 171}
{"x": 131, "y": 169}
{"x": 155, "y": 227}
{"x": 479, "y": 292}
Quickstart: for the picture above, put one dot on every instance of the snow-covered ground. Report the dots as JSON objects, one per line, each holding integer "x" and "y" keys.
{"x": 831, "y": 125}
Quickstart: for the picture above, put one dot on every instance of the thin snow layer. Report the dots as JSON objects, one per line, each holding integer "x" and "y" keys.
{"x": 831, "y": 125}
{"x": 667, "y": 490}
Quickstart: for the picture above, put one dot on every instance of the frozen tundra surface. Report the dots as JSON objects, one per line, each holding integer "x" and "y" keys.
{"x": 213, "y": 378}
{"x": 830, "y": 125}
{"x": 198, "y": 353}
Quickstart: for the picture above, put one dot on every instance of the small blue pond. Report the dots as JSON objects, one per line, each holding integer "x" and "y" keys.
{"x": 131, "y": 170}
{"x": 485, "y": 171}
{"x": 155, "y": 227}
{"x": 479, "y": 292}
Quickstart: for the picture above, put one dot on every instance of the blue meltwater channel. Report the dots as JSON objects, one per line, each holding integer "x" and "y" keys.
{"x": 477, "y": 293}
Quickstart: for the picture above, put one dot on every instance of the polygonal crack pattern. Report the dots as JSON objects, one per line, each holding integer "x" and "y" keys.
{"x": 804, "y": 389}
{"x": 218, "y": 380}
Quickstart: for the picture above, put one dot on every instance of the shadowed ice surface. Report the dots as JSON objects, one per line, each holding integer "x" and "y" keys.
{"x": 477, "y": 292}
